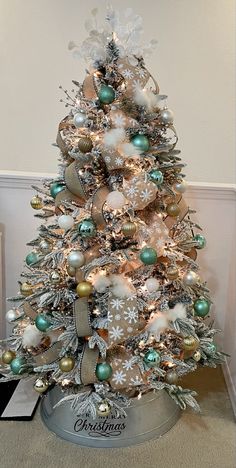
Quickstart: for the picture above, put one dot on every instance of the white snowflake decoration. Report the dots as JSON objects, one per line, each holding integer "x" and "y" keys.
{"x": 131, "y": 315}
{"x": 116, "y": 333}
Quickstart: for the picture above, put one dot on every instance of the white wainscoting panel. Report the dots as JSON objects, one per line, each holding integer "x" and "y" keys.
{"x": 216, "y": 213}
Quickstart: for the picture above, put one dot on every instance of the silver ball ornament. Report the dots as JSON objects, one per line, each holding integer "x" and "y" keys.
{"x": 103, "y": 408}
{"x": 55, "y": 277}
{"x": 167, "y": 116}
{"x": 171, "y": 377}
{"x": 45, "y": 247}
{"x": 12, "y": 314}
{"x": 190, "y": 278}
{"x": 197, "y": 355}
{"x": 76, "y": 259}
{"x": 41, "y": 385}
{"x": 65, "y": 222}
{"x": 152, "y": 284}
{"x": 180, "y": 186}
{"x": 80, "y": 119}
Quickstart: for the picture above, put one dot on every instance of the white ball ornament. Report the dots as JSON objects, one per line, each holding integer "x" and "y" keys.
{"x": 152, "y": 285}
{"x": 180, "y": 186}
{"x": 190, "y": 278}
{"x": 115, "y": 200}
{"x": 80, "y": 119}
{"x": 12, "y": 314}
{"x": 76, "y": 259}
{"x": 167, "y": 116}
{"x": 66, "y": 222}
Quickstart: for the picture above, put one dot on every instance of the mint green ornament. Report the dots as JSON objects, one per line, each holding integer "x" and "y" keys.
{"x": 201, "y": 307}
{"x": 106, "y": 94}
{"x": 148, "y": 256}
{"x": 201, "y": 240}
{"x": 141, "y": 142}
{"x": 55, "y": 188}
{"x": 152, "y": 358}
{"x": 156, "y": 176}
{"x": 103, "y": 371}
{"x": 42, "y": 322}
{"x": 32, "y": 258}
{"x": 87, "y": 228}
{"x": 212, "y": 348}
{"x": 18, "y": 365}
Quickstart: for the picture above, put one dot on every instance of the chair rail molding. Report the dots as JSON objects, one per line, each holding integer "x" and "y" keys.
{"x": 215, "y": 208}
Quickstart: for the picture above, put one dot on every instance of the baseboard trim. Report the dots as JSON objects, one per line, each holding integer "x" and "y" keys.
{"x": 230, "y": 385}
{"x": 206, "y": 190}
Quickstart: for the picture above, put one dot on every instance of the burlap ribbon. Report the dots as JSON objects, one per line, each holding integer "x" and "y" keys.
{"x": 81, "y": 317}
{"x": 50, "y": 355}
{"x": 29, "y": 311}
{"x": 88, "y": 365}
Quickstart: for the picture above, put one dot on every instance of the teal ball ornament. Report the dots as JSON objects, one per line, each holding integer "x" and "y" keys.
{"x": 201, "y": 240}
{"x": 141, "y": 142}
{"x": 212, "y": 348}
{"x": 32, "y": 258}
{"x": 148, "y": 256}
{"x": 18, "y": 365}
{"x": 87, "y": 228}
{"x": 42, "y": 322}
{"x": 201, "y": 307}
{"x": 152, "y": 358}
{"x": 156, "y": 176}
{"x": 103, "y": 371}
{"x": 55, "y": 188}
{"x": 106, "y": 94}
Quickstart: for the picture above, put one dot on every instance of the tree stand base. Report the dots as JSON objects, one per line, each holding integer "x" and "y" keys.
{"x": 149, "y": 417}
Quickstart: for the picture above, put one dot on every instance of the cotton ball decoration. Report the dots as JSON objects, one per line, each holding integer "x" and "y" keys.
{"x": 65, "y": 222}
{"x": 121, "y": 287}
{"x": 113, "y": 137}
{"x": 152, "y": 284}
{"x": 129, "y": 150}
{"x": 157, "y": 324}
{"x": 101, "y": 282}
{"x": 115, "y": 200}
{"x": 31, "y": 336}
{"x": 178, "y": 312}
{"x": 146, "y": 98}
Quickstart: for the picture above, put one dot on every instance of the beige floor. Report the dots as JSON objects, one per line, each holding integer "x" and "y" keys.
{"x": 206, "y": 441}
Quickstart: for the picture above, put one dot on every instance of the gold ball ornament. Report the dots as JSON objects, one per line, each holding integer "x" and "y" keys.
{"x": 84, "y": 289}
{"x": 173, "y": 210}
{"x": 103, "y": 408}
{"x": 36, "y": 202}
{"x": 71, "y": 271}
{"x": 172, "y": 273}
{"x": 26, "y": 289}
{"x": 129, "y": 229}
{"x": 8, "y": 356}
{"x": 55, "y": 277}
{"x": 171, "y": 377}
{"x": 197, "y": 355}
{"x": 41, "y": 385}
{"x": 189, "y": 343}
{"x": 85, "y": 145}
{"x": 66, "y": 364}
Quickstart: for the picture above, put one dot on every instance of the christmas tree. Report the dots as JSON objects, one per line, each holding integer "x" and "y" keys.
{"x": 111, "y": 304}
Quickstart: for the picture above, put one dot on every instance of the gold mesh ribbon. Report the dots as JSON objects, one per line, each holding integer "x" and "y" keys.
{"x": 125, "y": 373}
{"x": 88, "y": 365}
{"x": 81, "y": 317}
{"x": 29, "y": 310}
{"x": 123, "y": 319}
{"x": 50, "y": 355}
